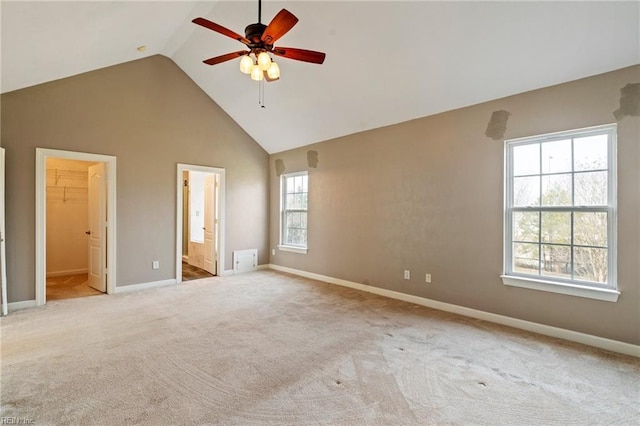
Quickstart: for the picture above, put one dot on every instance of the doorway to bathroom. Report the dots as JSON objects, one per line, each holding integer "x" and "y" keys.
{"x": 200, "y": 224}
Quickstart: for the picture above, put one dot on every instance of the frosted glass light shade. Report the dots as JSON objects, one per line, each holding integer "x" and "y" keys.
{"x": 246, "y": 64}
{"x": 273, "y": 71}
{"x": 264, "y": 61}
{"x": 256, "y": 73}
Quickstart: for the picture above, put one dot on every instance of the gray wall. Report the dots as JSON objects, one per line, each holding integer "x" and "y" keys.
{"x": 427, "y": 195}
{"x": 151, "y": 116}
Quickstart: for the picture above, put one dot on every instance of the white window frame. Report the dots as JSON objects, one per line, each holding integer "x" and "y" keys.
{"x": 598, "y": 291}
{"x": 301, "y": 249}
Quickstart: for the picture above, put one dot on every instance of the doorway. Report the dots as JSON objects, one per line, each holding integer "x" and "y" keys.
{"x": 75, "y": 224}
{"x": 3, "y": 259}
{"x": 200, "y": 222}
{"x": 74, "y": 205}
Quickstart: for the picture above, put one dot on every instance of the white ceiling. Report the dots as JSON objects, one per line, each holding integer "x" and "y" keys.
{"x": 387, "y": 62}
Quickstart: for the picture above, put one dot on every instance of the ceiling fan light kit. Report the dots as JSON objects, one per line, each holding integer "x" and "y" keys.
{"x": 259, "y": 39}
{"x": 274, "y": 71}
{"x": 256, "y": 73}
{"x": 246, "y": 64}
{"x": 264, "y": 61}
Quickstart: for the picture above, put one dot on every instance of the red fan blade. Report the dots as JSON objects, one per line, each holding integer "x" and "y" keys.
{"x": 279, "y": 26}
{"x": 224, "y": 58}
{"x": 300, "y": 54}
{"x": 220, "y": 29}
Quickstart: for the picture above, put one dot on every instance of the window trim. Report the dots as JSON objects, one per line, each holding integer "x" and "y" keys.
{"x": 282, "y": 245}
{"x": 608, "y": 295}
{"x": 607, "y": 292}
{"x": 293, "y": 249}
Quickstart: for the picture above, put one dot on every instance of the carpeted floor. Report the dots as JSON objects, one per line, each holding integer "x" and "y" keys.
{"x": 268, "y": 348}
{"x": 69, "y": 287}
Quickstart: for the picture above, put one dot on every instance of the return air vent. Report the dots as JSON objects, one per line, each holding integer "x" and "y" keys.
{"x": 245, "y": 261}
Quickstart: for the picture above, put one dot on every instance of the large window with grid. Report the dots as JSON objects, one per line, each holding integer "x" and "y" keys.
{"x": 293, "y": 221}
{"x": 560, "y": 212}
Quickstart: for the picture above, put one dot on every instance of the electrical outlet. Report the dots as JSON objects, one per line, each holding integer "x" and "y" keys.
{"x": 155, "y": 264}
{"x": 427, "y": 278}
{"x": 407, "y": 275}
{"x": 273, "y": 252}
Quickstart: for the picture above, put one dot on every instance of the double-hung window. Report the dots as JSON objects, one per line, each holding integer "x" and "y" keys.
{"x": 294, "y": 189}
{"x": 560, "y": 213}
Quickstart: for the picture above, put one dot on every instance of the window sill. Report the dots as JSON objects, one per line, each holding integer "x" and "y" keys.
{"x": 293, "y": 249}
{"x": 568, "y": 289}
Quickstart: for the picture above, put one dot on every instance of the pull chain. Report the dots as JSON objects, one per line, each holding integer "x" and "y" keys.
{"x": 261, "y": 82}
{"x": 261, "y": 94}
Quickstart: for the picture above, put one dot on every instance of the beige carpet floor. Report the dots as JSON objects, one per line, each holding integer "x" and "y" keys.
{"x": 269, "y": 348}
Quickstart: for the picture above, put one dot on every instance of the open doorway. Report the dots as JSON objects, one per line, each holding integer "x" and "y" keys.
{"x": 75, "y": 225}
{"x": 73, "y": 240}
{"x": 200, "y": 224}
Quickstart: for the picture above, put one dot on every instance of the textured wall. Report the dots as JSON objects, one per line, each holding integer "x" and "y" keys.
{"x": 151, "y": 116}
{"x": 427, "y": 195}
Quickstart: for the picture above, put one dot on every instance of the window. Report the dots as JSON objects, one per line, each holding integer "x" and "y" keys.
{"x": 293, "y": 221}
{"x": 560, "y": 211}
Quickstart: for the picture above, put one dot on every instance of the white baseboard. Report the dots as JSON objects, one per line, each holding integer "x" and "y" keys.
{"x": 232, "y": 272}
{"x": 144, "y": 286}
{"x": 69, "y": 272}
{"x": 14, "y": 306}
{"x": 547, "y": 330}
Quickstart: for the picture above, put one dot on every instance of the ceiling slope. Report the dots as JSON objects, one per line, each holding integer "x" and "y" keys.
{"x": 387, "y": 62}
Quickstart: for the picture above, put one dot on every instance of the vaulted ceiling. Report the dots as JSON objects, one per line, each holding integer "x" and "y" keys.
{"x": 387, "y": 62}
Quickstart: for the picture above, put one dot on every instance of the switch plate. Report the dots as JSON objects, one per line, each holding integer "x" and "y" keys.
{"x": 273, "y": 252}
{"x": 427, "y": 278}
{"x": 155, "y": 264}
{"x": 407, "y": 274}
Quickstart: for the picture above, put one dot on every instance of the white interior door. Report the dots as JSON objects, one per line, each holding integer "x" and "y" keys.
{"x": 210, "y": 207}
{"x": 97, "y": 230}
{"x": 3, "y": 260}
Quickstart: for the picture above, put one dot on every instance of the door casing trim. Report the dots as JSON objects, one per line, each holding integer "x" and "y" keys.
{"x": 41, "y": 215}
{"x": 3, "y": 232}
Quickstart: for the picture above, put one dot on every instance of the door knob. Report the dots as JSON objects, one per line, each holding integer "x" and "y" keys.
{"x": 87, "y": 232}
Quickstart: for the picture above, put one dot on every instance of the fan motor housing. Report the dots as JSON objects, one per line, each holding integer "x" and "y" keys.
{"x": 254, "y": 32}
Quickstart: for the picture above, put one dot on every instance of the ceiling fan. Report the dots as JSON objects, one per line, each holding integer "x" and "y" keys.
{"x": 259, "y": 39}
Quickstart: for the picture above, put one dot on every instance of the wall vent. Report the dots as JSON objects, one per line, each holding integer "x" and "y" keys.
{"x": 245, "y": 261}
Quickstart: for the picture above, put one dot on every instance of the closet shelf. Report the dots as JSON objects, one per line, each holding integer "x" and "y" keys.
{"x": 67, "y": 193}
